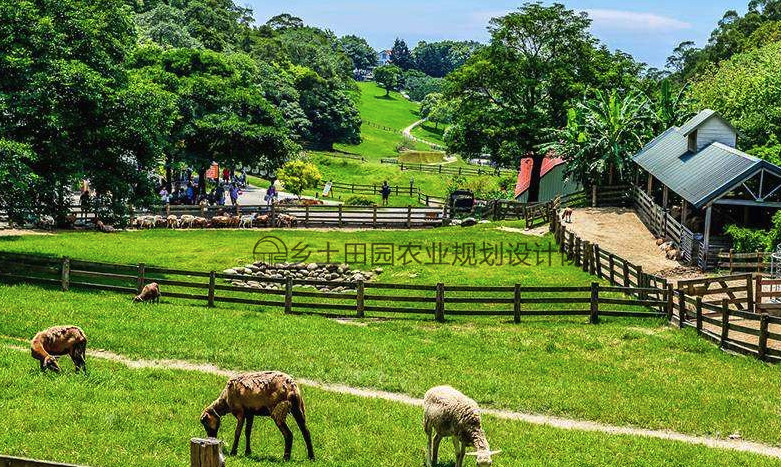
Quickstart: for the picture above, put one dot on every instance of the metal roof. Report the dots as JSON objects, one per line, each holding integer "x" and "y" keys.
{"x": 694, "y": 122}
{"x": 702, "y": 176}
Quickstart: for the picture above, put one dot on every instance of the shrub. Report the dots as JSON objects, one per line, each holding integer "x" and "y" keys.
{"x": 746, "y": 240}
{"x": 298, "y": 175}
{"x": 359, "y": 200}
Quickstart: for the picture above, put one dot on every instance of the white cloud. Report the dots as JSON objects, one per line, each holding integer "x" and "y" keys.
{"x": 631, "y": 20}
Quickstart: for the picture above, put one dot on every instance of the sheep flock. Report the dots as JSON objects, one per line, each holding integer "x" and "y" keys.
{"x": 222, "y": 221}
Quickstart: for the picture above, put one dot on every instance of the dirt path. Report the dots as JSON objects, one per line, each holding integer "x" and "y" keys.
{"x": 535, "y": 419}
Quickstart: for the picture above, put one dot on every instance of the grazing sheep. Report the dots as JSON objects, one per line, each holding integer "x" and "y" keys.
{"x": 672, "y": 254}
{"x": 262, "y": 221}
{"x": 220, "y": 221}
{"x": 200, "y": 222}
{"x": 247, "y": 220}
{"x": 172, "y": 222}
{"x": 447, "y": 412}
{"x": 160, "y": 221}
{"x": 101, "y": 227}
{"x": 566, "y": 215}
{"x": 186, "y": 220}
{"x": 285, "y": 220}
{"x": 45, "y": 222}
{"x": 150, "y": 293}
{"x": 267, "y": 393}
{"x": 56, "y": 341}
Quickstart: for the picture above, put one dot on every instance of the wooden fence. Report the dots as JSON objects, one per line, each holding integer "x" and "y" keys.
{"x": 726, "y": 310}
{"x": 359, "y": 299}
{"x": 448, "y": 169}
{"x": 396, "y": 190}
{"x": 11, "y": 461}
{"x": 758, "y": 261}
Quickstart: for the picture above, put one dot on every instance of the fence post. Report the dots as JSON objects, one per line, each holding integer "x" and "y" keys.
{"x": 439, "y": 313}
{"x": 340, "y": 215}
{"x": 212, "y": 277}
{"x": 306, "y": 218}
{"x": 141, "y": 278}
{"x": 571, "y": 244}
{"x": 763, "y": 322}
{"x": 682, "y": 308}
{"x": 642, "y": 295}
{"x": 597, "y": 261}
{"x": 593, "y": 196}
{"x": 594, "y": 316}
{"x": 65, "y": 273}
{"x": 206, "y": 453}
{"x": 289, "y": 295}
{"x": 517, "y": 304}
{"x": 577, "y": 251}
{"x": 611, "y": 263}
{"x": 750, "y": 293}
{"x": 359, "y": 305}
{"x": 724, "y": 322}
{"x": 374, "y": 216}
{"x": 698, "y": 310}
{"x": 409, "y": 216}
{"x": 272, "y": 215}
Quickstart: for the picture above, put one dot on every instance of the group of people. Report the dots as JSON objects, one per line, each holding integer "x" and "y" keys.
{"x": 187, "y": 191}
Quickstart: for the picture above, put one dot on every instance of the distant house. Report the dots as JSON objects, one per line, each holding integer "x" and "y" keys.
{"x": 384, "y": 57}
{"x": 553, "y": 181}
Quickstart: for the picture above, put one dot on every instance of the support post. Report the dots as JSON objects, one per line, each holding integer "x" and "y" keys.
{"x": 698, "y": 310}
{"x": 577, "y": 251}
{"x": 409, "y": 216}
{"x": 627, "y": 282}
{"x": 141, "y": 279}
{"x": 289, "y": 295}
{"x": 597, "y": 261}
{"x": 763, "y": 322}
{"x": 517, "y": 304}
{"x": 212, "y": 277}
{"x": 594, "y": 315}
{"x": 706, "y": 237}
{"x": 749, "y": 294}
{"x": 359, "y": 305}
{"x": 593, "y": 196}
{"x": 611, "y": 264}
{"x": 724, "y": 322}
{"x": 681, "y": 309}
{"x": 585, "y": 256}
{"x": 65, "y": 273}
{"x": 206, "y": 453}
{"x": 439, "y": 313}
{"x": 641, "y": 280}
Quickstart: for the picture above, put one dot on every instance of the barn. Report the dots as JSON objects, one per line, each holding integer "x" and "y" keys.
{"x": 553, "y": 180}
{"x": 693, "y": 181}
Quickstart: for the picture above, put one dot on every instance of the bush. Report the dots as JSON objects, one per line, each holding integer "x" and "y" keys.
{"x": 745, "y": 240}
{"x": 359, "y": 200}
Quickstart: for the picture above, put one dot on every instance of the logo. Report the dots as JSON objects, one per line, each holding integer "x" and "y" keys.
{"x": 270, "y": 249}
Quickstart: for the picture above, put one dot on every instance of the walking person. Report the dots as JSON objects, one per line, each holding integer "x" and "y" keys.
{"x": 84, "y": 201}
{"x": 234, "y": 194}
{"x": 271, "y": 195}
{"x": 385, "y": 192}
{"x": 164, "y": 196}
{"x": 219, "y": 194}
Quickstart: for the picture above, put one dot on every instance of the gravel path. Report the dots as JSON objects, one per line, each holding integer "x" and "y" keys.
{"x": 536, "y": 419}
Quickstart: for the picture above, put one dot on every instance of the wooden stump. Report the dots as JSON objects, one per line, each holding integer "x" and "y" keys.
{"x": 206, "y": 453}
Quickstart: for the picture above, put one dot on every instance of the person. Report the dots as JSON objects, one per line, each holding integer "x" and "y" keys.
{"x": 164, "y": 197}
{"x": 271, "y": 194}
{"x": 84, "y": 200}
{"x": 219, "y": 194}
{"x": 243, "y": 178}
{"x": 385, "y": 191}
{"x": 190, "y": 194}
{"x": 234, "y": 193}
{"x": 226, "y": 175}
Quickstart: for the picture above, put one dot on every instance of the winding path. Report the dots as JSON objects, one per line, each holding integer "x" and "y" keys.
{"x": 407, "y": 132}
{"x": 535, "y": 419}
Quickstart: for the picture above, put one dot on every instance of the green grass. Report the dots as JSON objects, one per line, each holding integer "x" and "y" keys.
{"x": 422, "y": 157}
{"x": 428, "y": 132}
{"x": 115, "y": 416}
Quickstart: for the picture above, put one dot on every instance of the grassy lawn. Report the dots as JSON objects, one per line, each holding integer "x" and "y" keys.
{"x": 623, "y": 371}
{"x": 115, "y": 416}
{"x": 428, "y": 132}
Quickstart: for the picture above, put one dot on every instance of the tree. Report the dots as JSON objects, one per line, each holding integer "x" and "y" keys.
{"x": 19, "y": 180}
{"x": 166, "y": 26}
{"x": 285, "y": 21}
{"x": 388, "y": 77}
{"x": 745, "y": 90}
{"x": 418, "y": 84}
{"x": 436, "y": 109}
{"x": 401, "y": 55}
{"x": 509, "y": 94}
{"x": 363, "y": 56}
{"x": 601, "y": 136}
{"x": 670, "y": 107}
{"x": 438, "y": 59}
{"x": 298, "y": 175}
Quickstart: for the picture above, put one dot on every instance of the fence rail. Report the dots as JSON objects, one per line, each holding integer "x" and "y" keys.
{"x": 357, "y": 299}
{"x": 11, "y": 461}
{"x": 758, "y": 261}
{"x": 448, "y": 169}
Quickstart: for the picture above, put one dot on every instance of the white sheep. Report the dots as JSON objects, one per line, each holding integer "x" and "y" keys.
{"x": 447, "y": 412}
{"x": 186, "y": 220}
{"x": 247, "y": 220}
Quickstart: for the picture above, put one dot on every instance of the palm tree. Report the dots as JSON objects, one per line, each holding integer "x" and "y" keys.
{"x": 670, "y": 108}
{"x": 602, "y": 135}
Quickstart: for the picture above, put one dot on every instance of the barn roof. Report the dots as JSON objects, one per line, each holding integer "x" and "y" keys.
{"x": 698, "y": 177}
{"x": 525, "y": 173}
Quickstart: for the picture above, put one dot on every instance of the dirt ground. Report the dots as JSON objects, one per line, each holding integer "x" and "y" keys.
{"x": 17, "y": 232}
{"x": 621, "y": 232}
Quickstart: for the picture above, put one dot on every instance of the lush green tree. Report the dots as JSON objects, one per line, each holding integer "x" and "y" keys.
{"x": 510, "y": 93}
{"x": 19, "y": 180}
{"x": 388, "y": 77}
{"x": 438, "y": 59}
{"x": 746, "y": 91}
{"x": 436, "y": 109}
{"x": 670, "y": 107}
{"x": 363, "y": 56}
{"x": 166, "y": 26}
{"x": 285, "y": 21}
{"x": 601, "y": 136}
{"x": 298, "y": 175}
{"x": 66, "y": 95}
{"x": 401, "y": 55}
{"x": 418, "y": 84}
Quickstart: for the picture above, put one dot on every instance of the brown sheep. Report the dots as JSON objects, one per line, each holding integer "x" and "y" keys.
{"x": 172, "y": 222}
{"x": 262, "y": 221}
{"x": 566, "y": 215}
{"x": 57, "y": 341}
{"x": 101, "y": 227}
{"x": 150, "y": 293}
{"x": 200, "y": 222}
{"x": 268, "y": 393}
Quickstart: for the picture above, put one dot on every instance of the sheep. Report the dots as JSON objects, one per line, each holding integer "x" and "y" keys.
{"x": 566, "y": 215}
{"x": 672, "y": 254}
{"x": 262, "y": 221}
{"x": 200, "y": 222}
{"x": 101, "y": 227}
{"x": 46, "y": 222}
{"x": 285, "y": 220}
{"x": 186, "y": 220}
{"x": 160, "y": 221}
{"x": 57, "y": 341}
{"x": 172, "y": 222}
{"x": 247, "y": 220}
{"x": 447, "y": 412}
{"x": 220, "y": 221}
{"x": 267, "y": 393}
{"x": 150, "y": 293}
{"x": 659, "y": 241}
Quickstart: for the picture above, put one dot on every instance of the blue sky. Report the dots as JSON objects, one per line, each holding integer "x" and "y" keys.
{"x": 649, "y": 30}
